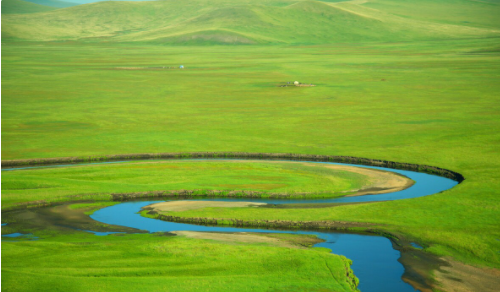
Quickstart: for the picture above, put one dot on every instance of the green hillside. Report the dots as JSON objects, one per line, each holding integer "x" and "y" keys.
{"x": 21, "y": 7}
{"x": 250, "y": 22}
{"x": 54, "y": 3}
{"x": 475, "y": 13}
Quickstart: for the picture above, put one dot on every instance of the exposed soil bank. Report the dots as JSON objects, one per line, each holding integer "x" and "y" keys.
{"x": 457, "y": 277}
{"x": 193, "y": 205}
{"x": 382, "y": 182}
{"x": 60, "y": 218}
{"x": 241, "y": 155}
{"x": 295, "y": 241}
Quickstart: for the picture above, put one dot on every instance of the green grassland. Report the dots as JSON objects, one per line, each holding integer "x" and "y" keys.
{"x": 433, "y": 102}
{"x": 407, "y": 81}
{"x": 153, "y": 262}
{"x": 98, "y": 181}
{"x": 411, "y": 102}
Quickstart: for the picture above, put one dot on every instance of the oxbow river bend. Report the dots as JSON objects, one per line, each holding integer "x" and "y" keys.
{"x": 375, "y": 262}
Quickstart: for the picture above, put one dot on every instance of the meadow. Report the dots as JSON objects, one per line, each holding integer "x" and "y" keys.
{"x": 430, "y": 102}
{"x": 98, "y": 182}
{"x": 410, "y": 100}
{"x": 145, "y": 262}
{"x": 420, "y": 87}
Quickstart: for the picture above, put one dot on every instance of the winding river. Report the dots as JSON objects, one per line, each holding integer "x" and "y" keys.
{"x": 375, "y": 262}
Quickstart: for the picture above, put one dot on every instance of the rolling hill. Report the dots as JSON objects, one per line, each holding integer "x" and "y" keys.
{"x": 254, "y": 22}
{"x": 21, "y": 7}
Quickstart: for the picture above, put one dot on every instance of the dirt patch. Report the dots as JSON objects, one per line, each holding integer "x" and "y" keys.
{"x": 428, "y": 272}
{"x": 381, "y": 182}
{"x": 244, "y": 237}
{"x": 60, "y": 218}
{"x": 193, "y": 205}
{"x": 458, "y": 277}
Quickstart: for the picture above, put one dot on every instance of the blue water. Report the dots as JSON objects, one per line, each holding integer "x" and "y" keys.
{"x": 20, "y": 235}
{"x": 13, "y": 235}
{"x": 101, "y": 233}
{"x": 416, "y": 245}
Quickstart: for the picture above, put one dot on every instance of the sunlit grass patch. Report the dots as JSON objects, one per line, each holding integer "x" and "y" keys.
{"x": 80, "y": 182}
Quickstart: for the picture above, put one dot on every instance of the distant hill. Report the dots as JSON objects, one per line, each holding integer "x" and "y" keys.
{"x": 477, "y": 13}
{"x": 78, "y": 2}
{"x": 19, "y": 6}
{"x": 55, "y": 3}
{"x": 204, "y": 22}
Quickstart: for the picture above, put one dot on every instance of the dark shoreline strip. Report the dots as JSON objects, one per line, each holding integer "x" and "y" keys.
{"x": 186, "y": 194}
{"x": 285, "y": 224}
{"x": 240, "y": 155}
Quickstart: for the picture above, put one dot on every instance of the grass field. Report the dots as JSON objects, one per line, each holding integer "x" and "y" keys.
{"x": 427, "y": 102}
{"x": 84, "y": 262}
{"x": 371, "y": 99}
{"x": 403, "y": 82}
{"x": 99, "y": 181}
